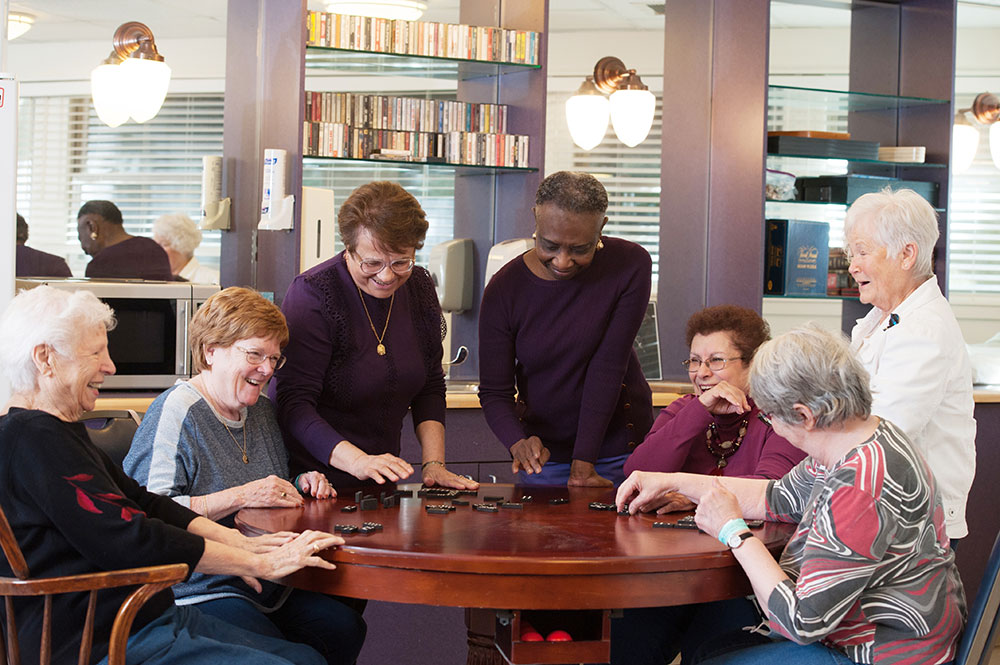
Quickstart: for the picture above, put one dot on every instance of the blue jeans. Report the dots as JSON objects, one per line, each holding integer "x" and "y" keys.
{"x": 323, "y": 622}
{"x": 655, "y": 635}
{"x": 775, "y": 651}
{"x": 184, "y": 636}
{"x": 557, "y": 473}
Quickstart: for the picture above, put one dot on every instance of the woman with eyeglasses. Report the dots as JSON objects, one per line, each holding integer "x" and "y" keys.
{"x": 213, "y": 445}
{"x": 365, "y": 350}
{"x": 716, "y": 430}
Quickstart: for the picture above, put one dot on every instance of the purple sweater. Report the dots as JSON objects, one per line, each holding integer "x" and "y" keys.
{"x": 566, "y": 348}
{"x": 677, "y": 443}
{"x": 34, "y": 263}
{"x": 335, "y": 387}
{"x": 135, "y": 258}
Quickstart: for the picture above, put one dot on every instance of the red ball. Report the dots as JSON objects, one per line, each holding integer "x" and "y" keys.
{"x": 529, "y": 634}
{"x": 559, "y": 636}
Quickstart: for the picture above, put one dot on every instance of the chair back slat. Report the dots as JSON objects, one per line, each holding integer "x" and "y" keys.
{"x": 13, "y": 651}
{"x": 975, "y": 648}
{"x": 11, "y": 549}
{"x": 87, "y": 643}
{"x": 45, "y": 652}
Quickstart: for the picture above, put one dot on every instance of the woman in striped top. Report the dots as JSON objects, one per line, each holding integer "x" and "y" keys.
{"x": 868, "y": 576}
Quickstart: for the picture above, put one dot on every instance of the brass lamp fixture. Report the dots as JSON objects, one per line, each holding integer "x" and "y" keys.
{"x": 133, "y": 80}
{"x": 630, "y": 106}
{"x": 985, "y": 111}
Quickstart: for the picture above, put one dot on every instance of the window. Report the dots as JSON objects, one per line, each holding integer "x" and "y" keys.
{"x": 67, "y": 156}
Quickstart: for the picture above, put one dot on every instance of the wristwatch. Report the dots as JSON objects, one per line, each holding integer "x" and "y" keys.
{"x": 737, "y": 539}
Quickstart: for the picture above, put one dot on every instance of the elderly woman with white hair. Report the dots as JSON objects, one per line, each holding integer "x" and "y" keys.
{"x": 869, "y": 575}
{"x": 179, "y": 236}
{"x": 910, "y": 342}
{"x": 74, "y": 511}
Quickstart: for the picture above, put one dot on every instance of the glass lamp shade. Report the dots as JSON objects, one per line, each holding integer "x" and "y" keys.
{"x": 18, "y": 24}
{"x": 587, "y": 117}
{"x": 110, "y": 94}
{"x": 965, "y": 142}
{"x": 147, "y": 82}
{"x": 632, "y": 115}
{"x": 995, "y": 143}
{"x": 406, "y": 10}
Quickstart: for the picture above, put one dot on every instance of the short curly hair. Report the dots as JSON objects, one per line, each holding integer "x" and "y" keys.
{"x": 573, "y": 191}
{"x": 745, "y": 326}
{"x": 231, "y": 315}
{"x": 388, "y": 212}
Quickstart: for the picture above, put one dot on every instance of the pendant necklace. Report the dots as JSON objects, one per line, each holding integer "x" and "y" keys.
{"x": 381, "y": 347}
{"x": 246, "y": 460}
{"x": 723, "y": 449}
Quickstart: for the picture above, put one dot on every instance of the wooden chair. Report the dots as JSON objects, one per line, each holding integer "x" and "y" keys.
{"x": 153, "y": 580}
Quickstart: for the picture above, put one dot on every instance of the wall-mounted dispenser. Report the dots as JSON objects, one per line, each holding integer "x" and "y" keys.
{"x": 214, "y": 208}
{"x": 451, "y": 269}
{"x": 275, "y": 207}
{"x": 503, "y": 252}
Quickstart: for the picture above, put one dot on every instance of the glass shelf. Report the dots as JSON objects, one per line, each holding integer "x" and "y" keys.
{"x": 812, "y": 297}
{"x": 871, "y": 162}
{"x": 465, "y": 169}
{"x": 368, "y": 63}
{"x": 791, "y": 97}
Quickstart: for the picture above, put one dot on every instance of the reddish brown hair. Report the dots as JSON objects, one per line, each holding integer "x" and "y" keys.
{"x": 388, "y": 212}
{"x": 745, "y": 326}
{"x": 231, "y": 315}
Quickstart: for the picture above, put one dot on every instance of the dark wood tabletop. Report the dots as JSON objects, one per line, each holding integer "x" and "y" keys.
{"x": 541, "y": 556}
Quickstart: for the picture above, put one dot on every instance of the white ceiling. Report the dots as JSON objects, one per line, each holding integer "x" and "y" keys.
{"x": 85, "y": 20}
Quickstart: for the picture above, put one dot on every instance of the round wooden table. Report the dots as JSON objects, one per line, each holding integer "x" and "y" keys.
{"x": 542, "y": 556}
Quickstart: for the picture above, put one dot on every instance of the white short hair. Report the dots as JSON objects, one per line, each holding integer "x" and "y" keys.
{"x": 812, "y": 367}
{"x": 178, "y": 232}
{"x": 44, "y": 315}
{"x": 898, "y": 218}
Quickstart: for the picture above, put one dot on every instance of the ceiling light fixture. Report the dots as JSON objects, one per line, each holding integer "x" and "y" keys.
{"x": 133, "y": 80}
{"x": 406, "y": 10}
{"x": 985, "y": 112}
{"x": 631, "y": 106}
{"x": 18, "y": 24}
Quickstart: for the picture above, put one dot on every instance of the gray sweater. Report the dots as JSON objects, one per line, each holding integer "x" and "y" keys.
{"x": 183, "y": 449}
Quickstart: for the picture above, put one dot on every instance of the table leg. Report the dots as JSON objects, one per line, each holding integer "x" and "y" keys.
{"x": 481, "y": 626}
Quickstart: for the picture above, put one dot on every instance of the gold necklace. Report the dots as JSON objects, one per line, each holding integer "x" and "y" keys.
{"x": 246, "y": 460}
{"x": 381, "y": 347}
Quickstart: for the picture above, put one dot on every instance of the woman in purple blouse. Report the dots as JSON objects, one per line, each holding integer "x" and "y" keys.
{"x": 365, "y": 349}
{"x": 556, "y": 329}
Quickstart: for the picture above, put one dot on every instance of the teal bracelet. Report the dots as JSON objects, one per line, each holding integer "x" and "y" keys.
{"x": 730, "y": 528}
{"x": 296, "y": 483}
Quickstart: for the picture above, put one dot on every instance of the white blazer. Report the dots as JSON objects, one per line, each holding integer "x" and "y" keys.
{"x": 921, "y": 380}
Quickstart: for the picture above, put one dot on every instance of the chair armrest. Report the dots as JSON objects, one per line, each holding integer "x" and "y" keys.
{"x": 169, "y": 573}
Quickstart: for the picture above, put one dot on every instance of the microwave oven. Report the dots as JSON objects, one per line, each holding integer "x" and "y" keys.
{"x": 149, "y": 345}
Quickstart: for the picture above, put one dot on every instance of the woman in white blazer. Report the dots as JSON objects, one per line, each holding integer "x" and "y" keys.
{"x": 910, "y": 342}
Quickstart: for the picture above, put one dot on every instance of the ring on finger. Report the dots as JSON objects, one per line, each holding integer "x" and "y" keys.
{"x": 283, "y": 495}
{"x": 315, "y": 548}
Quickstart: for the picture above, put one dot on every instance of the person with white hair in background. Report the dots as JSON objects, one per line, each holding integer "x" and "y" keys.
{"x": 179, "y": 236}
{"x": 910, "y": 342}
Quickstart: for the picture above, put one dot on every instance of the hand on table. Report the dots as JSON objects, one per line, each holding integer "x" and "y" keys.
{"x": 675, "y": 503}
{"x": 264, "y": 543}
{"x": 717, "y": 507}
{"x": 724, "y": 397}
{"x": 530, "y": 455}
{"x": 381, "y": 468}
{"x": 583, "y": 474}
{"x": 316, "y": 485}
{"x": 301, "y": 551}
{"x": 270, "y": 492}
{"x": 646, "y": 491}
{"x": 439, "y": 475}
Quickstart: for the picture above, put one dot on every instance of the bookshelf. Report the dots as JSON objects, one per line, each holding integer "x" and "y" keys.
{"x": 494, "y": 55}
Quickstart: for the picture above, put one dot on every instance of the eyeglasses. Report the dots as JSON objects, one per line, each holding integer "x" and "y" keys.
{"x": 256, "y": 358}
{"x": 375, "y": 266}
{"x": 764, "y": 418}
{"x": 715, "y": 364}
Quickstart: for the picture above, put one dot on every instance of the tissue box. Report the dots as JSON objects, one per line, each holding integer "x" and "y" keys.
{"x": 796, "y": 257}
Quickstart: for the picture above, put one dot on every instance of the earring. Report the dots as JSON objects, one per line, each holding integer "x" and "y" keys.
{"x": 600, "y": 244}
{"x": 534, "y": 234}
{"x": 93, "y": 235}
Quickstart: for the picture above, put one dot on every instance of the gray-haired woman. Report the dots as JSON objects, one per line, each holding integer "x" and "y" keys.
{"x": 910, "y": 342}
{"x": 869, "y": 574}
{"x": 74, "y": 511}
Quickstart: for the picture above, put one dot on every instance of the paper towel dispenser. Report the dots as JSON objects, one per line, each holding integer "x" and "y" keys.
{"x": 503, "y": 252}
{"x": 450, "y": 266}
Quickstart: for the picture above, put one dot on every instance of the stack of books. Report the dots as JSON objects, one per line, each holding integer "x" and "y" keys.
{"x": 405, "y": 113}
{"x": 423, "y": 38}
{"x": 915, "y": 154}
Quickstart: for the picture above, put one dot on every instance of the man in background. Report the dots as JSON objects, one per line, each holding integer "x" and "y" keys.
{"x": 179, "y": 236}
{"x": 34, "y": 263}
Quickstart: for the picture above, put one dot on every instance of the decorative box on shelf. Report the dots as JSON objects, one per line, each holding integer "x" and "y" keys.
{"x": 796, "y": 257}
{"x": 847, "y": 188}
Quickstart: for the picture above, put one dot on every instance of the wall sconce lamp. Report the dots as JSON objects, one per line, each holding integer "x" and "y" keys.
{"x": 133, "y": 80}
{"x": 985, "y": 111}
{"x": 631, "y": 106}
{"x": 18, "y": 24}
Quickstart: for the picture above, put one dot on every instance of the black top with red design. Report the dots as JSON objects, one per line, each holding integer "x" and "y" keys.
{"x": 74, "y": 511}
